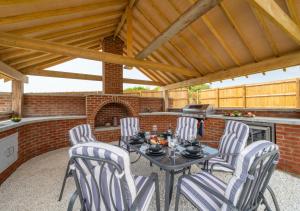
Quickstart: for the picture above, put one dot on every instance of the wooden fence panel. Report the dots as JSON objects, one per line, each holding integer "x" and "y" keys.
{"x": 232, "y": 97}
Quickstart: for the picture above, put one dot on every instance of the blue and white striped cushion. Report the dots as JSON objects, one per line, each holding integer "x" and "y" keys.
{"x": 140, "y": 181}
{"x": 202, "y": 199}
{"x": 186, "y": 128}
{"x": 244, "y": 162}
{"x": 129, "y": 126}
{"x": 233, "y": 140}
{"x": 92, "y": 169}
{"x": 77, "y": 133}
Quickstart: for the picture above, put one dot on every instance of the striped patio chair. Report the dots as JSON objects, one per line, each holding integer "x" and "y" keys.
{"x": 245, "y": 190}
{"x": 231, "y": 144}
{"x": 79, "y": 134}
{"x": 104, "y": 181}
{"x": 130, "y": 126}
{"x": 186, "y": 128}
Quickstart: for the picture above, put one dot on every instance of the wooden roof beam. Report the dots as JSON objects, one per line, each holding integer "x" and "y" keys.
{"x": 248, "y": 69}
{"x": 272, "y": 10}
{"x": 81, "y": 76}
{"x": 12, "y": 73}
{"x": 124, "y": 16}
{"x": 194, "y": 12}
{"x": 293, "y": 10}
{"x": 11, "y": 40}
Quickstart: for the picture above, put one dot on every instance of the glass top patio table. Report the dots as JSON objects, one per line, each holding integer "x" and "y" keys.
{"x": 171, "y": 165}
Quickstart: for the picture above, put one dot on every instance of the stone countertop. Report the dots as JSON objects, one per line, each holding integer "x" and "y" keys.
{"x": 276, "y": 120}
{"x": 8, "y": 124}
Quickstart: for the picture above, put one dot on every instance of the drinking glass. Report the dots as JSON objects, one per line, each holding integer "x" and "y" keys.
{"x": 154, "y": 129}
{"x": 147, "y": 136}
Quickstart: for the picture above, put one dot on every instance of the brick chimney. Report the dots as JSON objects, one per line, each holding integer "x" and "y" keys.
{"x": 112, "y": 73}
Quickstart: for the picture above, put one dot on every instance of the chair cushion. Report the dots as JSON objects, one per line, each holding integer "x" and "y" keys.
{"x": 140, "y": 181}
{"x": 202, "y": 199}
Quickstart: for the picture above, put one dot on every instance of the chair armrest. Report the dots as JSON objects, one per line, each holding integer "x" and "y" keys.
{"x": 72, "y": 201}
{"x": 211, "y": 191}
{"x": 143, "y": 191}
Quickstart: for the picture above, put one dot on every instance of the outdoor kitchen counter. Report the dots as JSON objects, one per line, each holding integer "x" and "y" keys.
{"x": 8, "y": 124}
{"x": 276, "y": 120}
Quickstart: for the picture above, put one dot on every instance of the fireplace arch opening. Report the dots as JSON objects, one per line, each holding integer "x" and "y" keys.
{"x": 110, "y": 114}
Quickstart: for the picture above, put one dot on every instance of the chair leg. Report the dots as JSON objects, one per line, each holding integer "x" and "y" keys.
{"x": 273, "y": 198}
{"x": 157, "y": 198}
{"x": 67, "y": 174}
{"x": 72, "y": 201}
{"x": 177, "y": 194}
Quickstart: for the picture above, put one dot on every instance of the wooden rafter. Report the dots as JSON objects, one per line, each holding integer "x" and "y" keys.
{"x": 12, "y": 73}
{"x": 221, "y": 40}
{"x": 273, "y": 11}
{"x": 124, "y": 16}
{"x": 193, "y": 13}
{"x": 248, "y": 69}
{"x": 171, "y": 42}
{"x": 292, "y": 10}
{"x": 58, "y": 12}
{"x": 68, "y": 23}
{"x": 129, "y": 37}
{"x": 66, "y": 50}
{"x": 266, "y": 30}
{"x": 239, "y": 31}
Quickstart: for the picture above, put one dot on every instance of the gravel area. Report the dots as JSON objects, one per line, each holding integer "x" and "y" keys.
{"x": 36, "y": 184}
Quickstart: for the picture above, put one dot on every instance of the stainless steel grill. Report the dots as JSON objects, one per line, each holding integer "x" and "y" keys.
{"x": 197, "y": 110}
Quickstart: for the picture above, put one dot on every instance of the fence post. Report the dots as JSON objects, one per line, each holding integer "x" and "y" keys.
{"x": 298, "y": 93}
{"x": 217, "y": 98}
{"x": 166, "y": 99}
{"x": 244, "y": 97}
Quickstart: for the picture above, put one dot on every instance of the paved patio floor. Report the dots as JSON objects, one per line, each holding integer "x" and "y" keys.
{"x": 36, "y": 184}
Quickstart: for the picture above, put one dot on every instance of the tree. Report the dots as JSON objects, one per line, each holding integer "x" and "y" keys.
{"x": 198, "y": 87}
{"x": 136, "y": 88}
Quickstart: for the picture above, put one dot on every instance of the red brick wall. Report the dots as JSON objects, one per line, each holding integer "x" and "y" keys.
{"x": 38, "y": 138}
{"x": 288, "y": 139}
{"x": 154, "y": 104}
{"x": 108, "y": 136}
{"x": 50, "y": 105}
{"x": 5, "y": 102}
{"x": 112, "y": 73}
{"x": 162, "y": 122}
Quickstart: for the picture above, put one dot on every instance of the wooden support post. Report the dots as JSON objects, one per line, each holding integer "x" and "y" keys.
{"x": 298, "y": 93}
{"x": 17, "y": 97}
{"x": 166, "y": 99}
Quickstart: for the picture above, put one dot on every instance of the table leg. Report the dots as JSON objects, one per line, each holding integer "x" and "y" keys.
{"x": 169, "y": 182}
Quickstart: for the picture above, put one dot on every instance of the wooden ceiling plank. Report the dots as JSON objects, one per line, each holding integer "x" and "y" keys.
{"x": 221, "y": 40}
{"x": 284, "y": 61}
{"x": 129, "y": 37}
{"x": 273, "y": 11}
{"x": 30, "y": 56}
{"x": 59, "y": 12}
{"x": 187, "y": 59}
{"x": 12, "y": 40}
{"x": 123, "y": 18}
{"x": 266, "y": 30}
{"x": 293, "y": 11}
{"x": 194, "y": 12}
{"x": 12, "y": 73}
{"x": 212, "y": 52}
{"x": 68, "y": 23}
{"x": 238, "y": 30}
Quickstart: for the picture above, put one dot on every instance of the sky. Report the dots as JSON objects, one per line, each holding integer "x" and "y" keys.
{"x": 48, "y": 84}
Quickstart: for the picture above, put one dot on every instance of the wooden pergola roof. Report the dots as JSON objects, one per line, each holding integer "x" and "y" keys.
{"x": 175, "y": 43}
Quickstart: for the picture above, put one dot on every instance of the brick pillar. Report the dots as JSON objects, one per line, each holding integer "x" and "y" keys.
{"x": 112, "y": 73}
